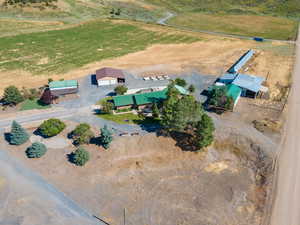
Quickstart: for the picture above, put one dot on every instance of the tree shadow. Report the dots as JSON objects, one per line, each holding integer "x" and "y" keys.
{"x": 7, "y": 137}
{"x": 183, "y": 141}
{"x": 96, "y": 141}
{"x": 70, "y": 157}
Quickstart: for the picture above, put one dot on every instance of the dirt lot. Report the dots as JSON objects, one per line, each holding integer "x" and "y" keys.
{"x": 213, "y": 56}
{"x": 158, "y": 183}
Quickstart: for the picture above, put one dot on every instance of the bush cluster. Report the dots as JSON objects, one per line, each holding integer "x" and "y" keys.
{"x": 51, "y": 127}
{"x": 36, "y": 150}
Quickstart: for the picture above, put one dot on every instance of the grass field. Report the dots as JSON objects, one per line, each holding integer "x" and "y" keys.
{"x": 62, "y": 50}
{"x": 127, "y": 118}
{"x": 33, "y": 104}
{"x": 248, "y": 25}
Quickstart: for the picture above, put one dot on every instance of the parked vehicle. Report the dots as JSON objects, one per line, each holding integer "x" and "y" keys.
{"x": 258, "y": 39}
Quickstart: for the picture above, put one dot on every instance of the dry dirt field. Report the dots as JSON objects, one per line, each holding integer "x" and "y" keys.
{"x": 212, "y": 56}
{"x": 159, "y": 183}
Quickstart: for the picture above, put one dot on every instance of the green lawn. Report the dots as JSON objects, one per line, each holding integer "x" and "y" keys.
{"x": 59, "y": 51}
{"x": 33, "y": 104}
{"x": 127, "y": 118}
{"x": 248, "y": 25}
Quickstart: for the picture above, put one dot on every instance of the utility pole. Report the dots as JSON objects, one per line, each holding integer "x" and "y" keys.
{"x": 124, "y": 216}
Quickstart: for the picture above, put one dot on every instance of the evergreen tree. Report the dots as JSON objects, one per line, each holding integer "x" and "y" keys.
{"x": 106, "y": 137}
{"x": 18, "y": 134}
{"x": 204, "y": 131}
{"x": 80, "y": 157}
{"x": 12, "y": 95}
{"x": 36, "y": 150}
{"x": 155, "y": 111}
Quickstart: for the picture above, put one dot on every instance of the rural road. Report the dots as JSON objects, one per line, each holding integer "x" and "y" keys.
{"x": 169, "y": 15}
{"x": 286, "y": 206}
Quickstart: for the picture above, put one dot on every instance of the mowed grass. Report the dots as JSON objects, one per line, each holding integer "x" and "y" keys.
{"x": 248, "y": 25}
{"x": 33, "y": 104}
{"x": 128, "y": 118}
{"x": 59, "y": 51}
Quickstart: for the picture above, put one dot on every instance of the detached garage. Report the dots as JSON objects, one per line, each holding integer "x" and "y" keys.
{"x": 109, "y": 76}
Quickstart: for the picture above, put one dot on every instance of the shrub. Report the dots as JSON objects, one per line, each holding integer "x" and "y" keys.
{"x": 18, "y": 134}
{"x": 82, "y": 134}
{"x": 180, "y": 82}
{"x": 80, "y": 157}
{"x": 106, "y": 137}
{"x": 36, "y": 150}
{"x": 191, "y": 88}
{"x": 121, "y": 89}
{"x": 12, "y": 95}
{"x": 51, "y": 127}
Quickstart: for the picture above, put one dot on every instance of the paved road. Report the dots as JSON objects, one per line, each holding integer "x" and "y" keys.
{"x": 286, "y": 208}
{"x": 29, "y": 199}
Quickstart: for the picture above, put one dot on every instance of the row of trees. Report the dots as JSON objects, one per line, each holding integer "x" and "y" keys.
{"x": 13, "y": 96}
{"x": 82, "y": 134}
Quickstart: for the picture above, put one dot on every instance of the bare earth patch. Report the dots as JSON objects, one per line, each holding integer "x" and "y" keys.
{"x": 158, "y": 183}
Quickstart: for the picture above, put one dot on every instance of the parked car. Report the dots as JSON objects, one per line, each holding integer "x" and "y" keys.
{"x": 146, "y": 78}
{"x": 153, "y": 78}
{"x": 166, "y": 77}
{"x": 160, "y": 78}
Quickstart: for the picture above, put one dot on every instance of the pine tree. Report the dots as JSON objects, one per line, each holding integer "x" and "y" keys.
{"x": 18, "y": 134}
{"x": 106, "y": 137}
{"x": 204, "y": 131}
{"x": 155, "y": 111}
{"x": 36, "y": 150}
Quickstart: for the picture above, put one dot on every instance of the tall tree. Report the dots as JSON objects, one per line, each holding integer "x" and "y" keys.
{"x": 106, "y": 137}
{"x": 18, "y": 134}
{"x": 12, "y": 95}
{"x": 204, "y": 132}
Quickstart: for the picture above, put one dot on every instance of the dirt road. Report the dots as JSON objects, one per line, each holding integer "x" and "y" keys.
{"x": 286, "y": 206}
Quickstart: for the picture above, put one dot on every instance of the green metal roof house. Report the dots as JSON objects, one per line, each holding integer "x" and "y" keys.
{"x": 144, "y": 98}
{"x": 150, "y": 97}
{"x": 123, "y": 100}
{"x": 63, "y": 87}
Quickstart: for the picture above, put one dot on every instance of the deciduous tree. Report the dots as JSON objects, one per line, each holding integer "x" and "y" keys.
{"x": 12, "y": 95}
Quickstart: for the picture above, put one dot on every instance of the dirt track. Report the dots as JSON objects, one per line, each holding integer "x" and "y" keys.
{"x": 286, "y": 206}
